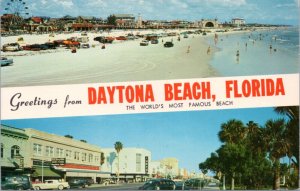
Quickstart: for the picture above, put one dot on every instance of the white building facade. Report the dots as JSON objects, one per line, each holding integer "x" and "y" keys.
{"x": 133, "y": 163}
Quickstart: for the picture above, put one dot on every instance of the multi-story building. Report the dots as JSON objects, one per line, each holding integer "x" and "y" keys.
{"x": 125, "y": 20}
{"x": 133, "y": 163}
{"x": 171, "y": 166}
{"x": 14, "y": 151}
{"x": 43, "y": 155}
{"x": 52, "y": 156}
{"x": 238, "y": 22}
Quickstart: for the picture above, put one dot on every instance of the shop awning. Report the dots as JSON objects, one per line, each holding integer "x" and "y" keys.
{"x": 46, "y": 172}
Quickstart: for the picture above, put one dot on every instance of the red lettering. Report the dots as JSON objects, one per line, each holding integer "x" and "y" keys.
{"x": 92, "y": 95}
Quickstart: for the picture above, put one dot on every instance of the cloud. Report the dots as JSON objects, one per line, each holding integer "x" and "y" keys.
{"x": 65, "y": 3}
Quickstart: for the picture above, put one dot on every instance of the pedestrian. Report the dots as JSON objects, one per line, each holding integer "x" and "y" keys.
{"x": 188, "y": 50}
{"x": 208, "y": 50}
{"x": 237, "y": 56}
{"x": 103, "y": 46}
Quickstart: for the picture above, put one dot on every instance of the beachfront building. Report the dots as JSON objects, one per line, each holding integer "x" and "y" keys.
{"x": 14, "y": 151}
{"x": 54, "y": 156}
{"x": 209, "y": 23}
{"x": 134, "y": 163}
{"x": 125, "y": 20}
{"x": 238, "y": 22}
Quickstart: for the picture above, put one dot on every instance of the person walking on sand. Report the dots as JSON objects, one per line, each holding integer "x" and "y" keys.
{"x": 271, "y": 48}
{"x": 208, "y": 50}
{"x": 188, "y": 49}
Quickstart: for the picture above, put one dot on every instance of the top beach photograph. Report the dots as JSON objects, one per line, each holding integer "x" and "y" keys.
{"x": 56, "y": 42}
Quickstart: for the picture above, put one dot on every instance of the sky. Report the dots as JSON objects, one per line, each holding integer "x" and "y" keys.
{"x": 188, "y": 136}
{"x": 253, "y": 11}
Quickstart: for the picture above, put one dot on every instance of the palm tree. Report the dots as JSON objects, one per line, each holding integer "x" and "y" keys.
{"x": 277, "y": 144}
{"x": 233, "y": 131}
{"x": 118, "y": 148}
{"x": 292, "y": 112}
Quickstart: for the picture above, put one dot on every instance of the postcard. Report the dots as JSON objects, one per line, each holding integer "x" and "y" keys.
{"x": 149, "y": 95}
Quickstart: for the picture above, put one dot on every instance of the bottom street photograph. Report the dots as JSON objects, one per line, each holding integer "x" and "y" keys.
{"x": 232, "y": 149}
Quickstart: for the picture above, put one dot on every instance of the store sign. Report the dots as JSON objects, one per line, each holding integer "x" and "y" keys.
{"x": 146, "y": 164}
{"x": 58, "y": 161}
{"x": 38, "y": 162}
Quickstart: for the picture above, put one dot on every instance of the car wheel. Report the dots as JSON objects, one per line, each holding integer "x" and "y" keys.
{"x": 36, "y": 188}
{"x": 19, "y": 188}
{"x": 60, "y": 187}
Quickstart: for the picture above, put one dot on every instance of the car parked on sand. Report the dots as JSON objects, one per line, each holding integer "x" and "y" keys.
{"x": 121, "y": 38}
{"x": 15, "y": 183}
{"x": 154, "y": 41}
{"x": 159, "y": 184}
{"x": 103, "y": 39}
{"x": 11, "y": 47}
{"x": 144, "y": 43}
{"x": 6, "y": 62}
{"x": 168, "y": 44}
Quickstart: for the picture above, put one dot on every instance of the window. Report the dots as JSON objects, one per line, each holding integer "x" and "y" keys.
{"x": 90, "y": 157}
{"x": 49, "y": 151}
{"x": 15, "y": 151}
{"x": 37, "y": 149}
{"x": 83, "y": 156}
{"x": 138, "y": 162}
{"x": 59, "y": 152}
{"x": 76, "y": 155}
{"x": 2, "y": 150}
{"x": 96, "y": 158}
{"x": 68, "y": 154}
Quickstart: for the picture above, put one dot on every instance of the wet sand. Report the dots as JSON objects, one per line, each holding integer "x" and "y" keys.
{"x": 119, "y": 62}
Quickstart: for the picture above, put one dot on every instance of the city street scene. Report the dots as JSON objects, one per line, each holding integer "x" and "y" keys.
{"x": 238, "y": 149}
{"x": 95, "y": 41}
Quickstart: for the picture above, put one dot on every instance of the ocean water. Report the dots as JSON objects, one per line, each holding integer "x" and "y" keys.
{"x": 255, "y": 55}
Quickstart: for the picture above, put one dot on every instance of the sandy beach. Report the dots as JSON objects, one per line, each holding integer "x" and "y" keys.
{"x": 120, "y": 61}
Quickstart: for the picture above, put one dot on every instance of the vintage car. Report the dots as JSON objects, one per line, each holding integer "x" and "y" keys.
{"x": 144, "y": 43}
{"x": 51, "y": 185}
{"x": 168, "y": 44}
{"x": 121, "y": 38}
{"x": 11, "y": 47}
{"x": 6, "y": 62}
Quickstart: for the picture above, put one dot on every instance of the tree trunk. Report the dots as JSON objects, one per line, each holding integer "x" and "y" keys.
{"x": 118, "y": 168}
{"x": 232, "y": 181}
{"x": 276, "y": 181}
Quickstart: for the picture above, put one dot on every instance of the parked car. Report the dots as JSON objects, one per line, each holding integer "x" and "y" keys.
{"x": 51, "y": 185}
{"x": 185, "y": 36}
{"x": 168, "y": 44}
{"x": 193, "y": 184}
{"x": 154, "y": 41}
{"x": 103, "y": 39}
{"x": 15, "y": 183}
{"x": 84, "y": 45}
{"x": 11, "y": 47}
{"x": 158, "y": 184}
{"x": 6, "y": 62}
{"x": 78, "y": 183}
{"x": 121, "y": 38}
{"x": 144, "y": 43}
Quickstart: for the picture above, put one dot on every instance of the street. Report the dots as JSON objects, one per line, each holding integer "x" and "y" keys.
{"x": 128, "y": 186}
